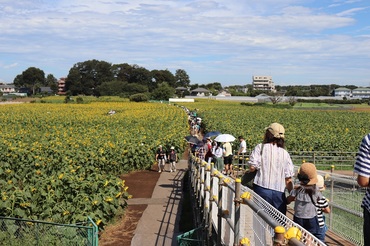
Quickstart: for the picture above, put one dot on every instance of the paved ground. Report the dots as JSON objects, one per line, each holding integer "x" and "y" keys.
{"x": 153, "y": 213}
{"x": 158, "y": 224}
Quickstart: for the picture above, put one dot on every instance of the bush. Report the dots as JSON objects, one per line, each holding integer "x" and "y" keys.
{"x": 79, "y": 100}
{"x": 140, "y": 97}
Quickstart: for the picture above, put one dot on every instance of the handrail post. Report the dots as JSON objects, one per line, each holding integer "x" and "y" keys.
{"x": 219, "y": 213}
{"x": 210, "y": 202}
{"x": 237, "y": 202}
{"x": 279, "y": 238}
{"x": 331, "y": 197}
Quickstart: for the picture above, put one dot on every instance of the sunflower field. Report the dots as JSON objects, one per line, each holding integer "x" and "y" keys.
{"x": 62, "y": 162}
{"x": 305, "y": 130}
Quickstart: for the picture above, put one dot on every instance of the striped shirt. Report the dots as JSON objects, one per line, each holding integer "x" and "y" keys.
{"x": 362, "y": 167}
{"x": 321, "y": 203}
{"x": 274, "y": 165}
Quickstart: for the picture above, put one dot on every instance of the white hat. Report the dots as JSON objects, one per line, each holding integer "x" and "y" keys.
{"x": 172, "y": 147}
{"x": 320, "y": 182}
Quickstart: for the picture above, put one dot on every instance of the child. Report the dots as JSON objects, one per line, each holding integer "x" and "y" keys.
{"x": 306, "y": 196}
{"x": 322, "y": 207}
{"x": 172, "y": 157}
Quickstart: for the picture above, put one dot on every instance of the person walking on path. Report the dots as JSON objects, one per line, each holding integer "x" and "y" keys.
{"x": 362, "y": 169}
{"x": 217, "y": 153}
{"x": 160, "y": 157}
{"x": 274, "y": 168}
{"x": 228, "y": 158}
{"x": 242, "y": 151}
{"x": 172, "y": 157}
{"x": 208, "y": 149}
{"x": 306, "y": 196}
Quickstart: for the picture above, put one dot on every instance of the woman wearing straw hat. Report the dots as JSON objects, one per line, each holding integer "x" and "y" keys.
{"x": 274, "y": 167}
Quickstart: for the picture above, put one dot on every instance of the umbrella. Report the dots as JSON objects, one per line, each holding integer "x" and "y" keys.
{"x": 225, "y": 138}
{"x": 212, "y": 134}
{"x": 188, "y": 137}
{"x": 193, "y": 140}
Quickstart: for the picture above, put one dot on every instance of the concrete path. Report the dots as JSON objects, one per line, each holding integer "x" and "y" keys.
{"x": 159, "y": 223}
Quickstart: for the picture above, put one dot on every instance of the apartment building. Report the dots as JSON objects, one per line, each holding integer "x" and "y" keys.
{"x": 61, "y": 86}
{"x": 263, "y": 83}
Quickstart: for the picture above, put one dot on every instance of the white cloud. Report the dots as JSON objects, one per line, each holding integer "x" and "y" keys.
{"x": 202, "y": 37}
{"x": 350, "y": 12}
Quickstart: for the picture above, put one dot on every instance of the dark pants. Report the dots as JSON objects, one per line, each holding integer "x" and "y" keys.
{"x": 276, "y": 198}
{"x": 311, "y": 225}
{"x": 366, "y": 227}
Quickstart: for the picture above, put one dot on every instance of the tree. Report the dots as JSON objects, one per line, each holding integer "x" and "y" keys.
{"x": 292, "y": 101}
{"x": 111, "y": 88}
{"x": 163, "y": 92}
{"x": 275, "y": 98}
{"x": 132, "y": 74}
{"x": 160, "y": 76}
{"x": 52, "y": 82}
{"x": 135, "y": 88}
{"x": 182, "y": 78}
{"x": 84, "y": 77}
{"x": 32, "y": 78}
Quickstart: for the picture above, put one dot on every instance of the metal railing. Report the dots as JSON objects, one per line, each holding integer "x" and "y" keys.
{"x": 322, "y": 159}
{"x": 237, "y": 215}
{"x": 343, "y": 192}
{"x": 25, "y": 232}
{"x": 345, "y": 197}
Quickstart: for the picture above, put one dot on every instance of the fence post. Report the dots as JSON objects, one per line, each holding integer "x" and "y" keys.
{"x": 219, "y": 213}
{"x": 331, "y": 197}
{"x": 237, "y": 202}
{"x": 211, "y": 199}
{"x": 279, "y": 238}
{"x": 207, "y": 204}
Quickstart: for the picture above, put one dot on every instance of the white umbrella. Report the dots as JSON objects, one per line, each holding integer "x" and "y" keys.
{"x": 225, "y": 138}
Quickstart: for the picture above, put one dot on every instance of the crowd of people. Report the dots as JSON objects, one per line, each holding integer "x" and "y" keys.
{"x": 274, "y": 171}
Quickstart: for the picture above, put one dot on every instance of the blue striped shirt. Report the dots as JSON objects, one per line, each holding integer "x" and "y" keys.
{"x": 362, "y": 167}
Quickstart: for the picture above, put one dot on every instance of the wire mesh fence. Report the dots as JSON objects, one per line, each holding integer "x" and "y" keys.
{"x": 24, "y": 232}
{"x": 254, "y": 220}
{"x": 192, "y": 238}
{"x": 345, "y": 197}
{"x": 322, "y": 159}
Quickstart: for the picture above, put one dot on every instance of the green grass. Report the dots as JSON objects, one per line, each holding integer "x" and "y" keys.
{"x": 300, "y": 105}
{"x": 85, "y": 99}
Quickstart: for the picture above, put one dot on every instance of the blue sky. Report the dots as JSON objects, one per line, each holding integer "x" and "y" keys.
{"x": 297, "y": 42}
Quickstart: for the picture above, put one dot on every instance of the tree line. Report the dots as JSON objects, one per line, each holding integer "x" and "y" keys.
{"x": 101, "y": 78}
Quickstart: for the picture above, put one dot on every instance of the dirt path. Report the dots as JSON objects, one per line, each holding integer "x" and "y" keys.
{"x": 141, "y": 185}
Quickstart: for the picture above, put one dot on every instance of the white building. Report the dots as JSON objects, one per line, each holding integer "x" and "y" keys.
{"x": 7, "y": 88}
{"x": 263, "y": 83}
{"x": 361, "y": 92}
{"x": 342, "y": 92}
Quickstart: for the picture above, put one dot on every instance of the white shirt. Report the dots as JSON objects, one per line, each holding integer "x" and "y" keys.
{"x": 243, "y": 147}
{"x": 217, "y": 152}
{"x": 273, "y": 166}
